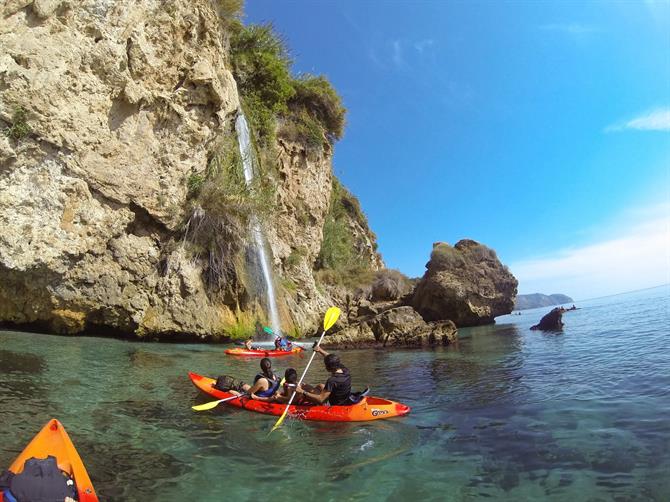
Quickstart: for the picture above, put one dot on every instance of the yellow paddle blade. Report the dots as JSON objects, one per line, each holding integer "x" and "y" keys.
{"x": 331, "y": 318}
{"x": 281, "y": 419}
{"x": 206, "y": 406}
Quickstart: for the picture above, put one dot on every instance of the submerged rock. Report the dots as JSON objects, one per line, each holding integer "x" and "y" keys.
{"x": 552, "y": 321}
{"x": 396, "y": 327}
{"x": 466, "y": 284}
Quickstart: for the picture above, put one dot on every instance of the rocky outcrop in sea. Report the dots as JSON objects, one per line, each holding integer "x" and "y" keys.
{"x": 553, "y": 321}
{"x": 466, "y": 284}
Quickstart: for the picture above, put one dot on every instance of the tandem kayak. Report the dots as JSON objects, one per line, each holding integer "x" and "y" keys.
{"x": 369, "y": 408}
{"x": 54, "y": 441}
{"x": 262, "y": 353}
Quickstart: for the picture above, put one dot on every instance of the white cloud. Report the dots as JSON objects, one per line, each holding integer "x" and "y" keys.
{"x": 423, "y": 45}
{"x": 635, "y": 258}
{"x": 401, "y": 54}
{"x": 570, "y": 28}
{"x": 655, "y": 120}
{"x": 397, "y": 58}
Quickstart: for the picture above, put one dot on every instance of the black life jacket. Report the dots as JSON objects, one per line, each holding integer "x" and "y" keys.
{"x": 42, "y": 481}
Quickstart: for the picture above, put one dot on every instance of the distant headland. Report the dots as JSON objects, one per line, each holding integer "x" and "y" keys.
{"x": 535, "y": 300}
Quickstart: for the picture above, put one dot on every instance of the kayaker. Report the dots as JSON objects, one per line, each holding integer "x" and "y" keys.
{"x": 249, "y": 345}
{"x": 337, "y": 388}
{"x": 285, "y": 391}
{"x": 282, "y": 343}
{"x": 265, "y": 383}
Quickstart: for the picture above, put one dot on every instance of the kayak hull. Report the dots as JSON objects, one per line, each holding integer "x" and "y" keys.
{"x": 54, "y": 440}
{"x": 370, "y": 408}
{"x": 262, "y": 353}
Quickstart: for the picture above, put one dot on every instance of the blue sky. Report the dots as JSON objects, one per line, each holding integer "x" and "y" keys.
{"x": 540, "y": 129}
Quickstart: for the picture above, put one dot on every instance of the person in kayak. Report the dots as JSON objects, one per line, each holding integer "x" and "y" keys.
{"x": 337, "y": 388}
{"x": 282, "y": 343}
{"x": 249, "y": 345}
{"x": 287, "y": 389}
{"x": 265, "y": 383}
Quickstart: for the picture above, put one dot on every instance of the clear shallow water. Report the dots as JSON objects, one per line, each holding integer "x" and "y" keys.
{"x": 509, "y": 414}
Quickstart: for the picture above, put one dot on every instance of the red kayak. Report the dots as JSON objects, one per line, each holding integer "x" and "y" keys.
{"x": 262, "y": 353}
{"x": 369, "y": 408}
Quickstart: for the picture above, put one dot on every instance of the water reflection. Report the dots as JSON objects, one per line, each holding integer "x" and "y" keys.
{"x": 21, "y": 362}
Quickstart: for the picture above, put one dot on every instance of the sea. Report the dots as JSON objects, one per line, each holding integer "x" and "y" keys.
{"x": 507, "y": 413}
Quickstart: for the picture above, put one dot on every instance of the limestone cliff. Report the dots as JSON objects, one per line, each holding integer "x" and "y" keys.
{"x": 110, "y": 110}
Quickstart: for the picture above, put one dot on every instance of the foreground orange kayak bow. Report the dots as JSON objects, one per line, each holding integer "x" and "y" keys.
{"x": 54, "y": 440}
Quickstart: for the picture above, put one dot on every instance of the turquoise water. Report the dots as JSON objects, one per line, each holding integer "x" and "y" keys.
{"x": 508, "y": 414}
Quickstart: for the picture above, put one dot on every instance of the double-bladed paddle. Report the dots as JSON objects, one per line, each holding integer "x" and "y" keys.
{"x": 214, "y": 404}
{"x": 329, "y": 319}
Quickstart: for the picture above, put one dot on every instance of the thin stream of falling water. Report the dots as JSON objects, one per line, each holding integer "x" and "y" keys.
{"x": 246, "y": 151}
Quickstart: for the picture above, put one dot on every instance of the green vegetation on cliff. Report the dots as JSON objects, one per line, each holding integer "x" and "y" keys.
{"x": 338, "y": 261}
{"x": 221, "y": 206}
{"x": 307, "y": 107}
{"x": 19, "y": 128}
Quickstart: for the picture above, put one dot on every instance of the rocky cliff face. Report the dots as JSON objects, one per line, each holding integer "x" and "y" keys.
{"x": 109, "y": 109}
{"x": 466, "y": 284}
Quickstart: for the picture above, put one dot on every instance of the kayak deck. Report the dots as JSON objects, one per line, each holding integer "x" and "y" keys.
{"x": 262, "y": 352}
{"x": 54, "y": 440}
{"x": 369, "y": 408}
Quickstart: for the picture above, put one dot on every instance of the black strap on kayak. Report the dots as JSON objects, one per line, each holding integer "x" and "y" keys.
{"x": 357, "y": 397}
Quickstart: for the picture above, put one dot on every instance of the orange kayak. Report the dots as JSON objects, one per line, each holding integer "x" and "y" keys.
{"x": 262, "y": 352}
{"x": 369, "y": 408}
{"x": 54, "y": 440}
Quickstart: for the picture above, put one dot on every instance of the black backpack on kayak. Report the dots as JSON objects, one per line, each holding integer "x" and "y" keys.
{"x": 226, "y": 383}
{"x": 40, "y": 481}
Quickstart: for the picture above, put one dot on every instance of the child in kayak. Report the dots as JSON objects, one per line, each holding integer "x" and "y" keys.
{"x": 265, "y": 383}
{"x": 286, "y": 390}
{"x": 337, "y": 388}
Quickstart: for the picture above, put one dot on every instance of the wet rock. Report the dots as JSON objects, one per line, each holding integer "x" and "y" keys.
{"x": 396, "y": 327}
{"x": 553, "y": 321}
{"x": 465, "y": 283}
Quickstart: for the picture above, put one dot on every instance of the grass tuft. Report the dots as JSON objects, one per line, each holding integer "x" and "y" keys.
{"x": 19, "y": 128}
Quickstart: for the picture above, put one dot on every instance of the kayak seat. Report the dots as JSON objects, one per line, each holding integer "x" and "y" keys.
{"x": 357, "y": 397}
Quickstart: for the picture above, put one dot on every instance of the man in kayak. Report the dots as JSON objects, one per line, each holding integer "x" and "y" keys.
{"x": 337, "y": 388}
{"x": 265, "y": 383}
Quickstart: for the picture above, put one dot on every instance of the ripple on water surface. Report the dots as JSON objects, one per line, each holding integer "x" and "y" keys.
{"x": 507, "y": 414}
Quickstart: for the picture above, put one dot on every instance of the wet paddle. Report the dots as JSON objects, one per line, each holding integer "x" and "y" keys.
{"x": 214, "y": 404}
{"x": 329, "y": 319}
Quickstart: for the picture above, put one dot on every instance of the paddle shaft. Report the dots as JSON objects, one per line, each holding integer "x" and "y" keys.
{"x": 231, "y": 398}
{"x": 323, "y": 332}
{"x": 214, "y": 404}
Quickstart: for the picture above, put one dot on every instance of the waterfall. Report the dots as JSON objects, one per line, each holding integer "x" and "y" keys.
{"x": 246, "y": 151}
